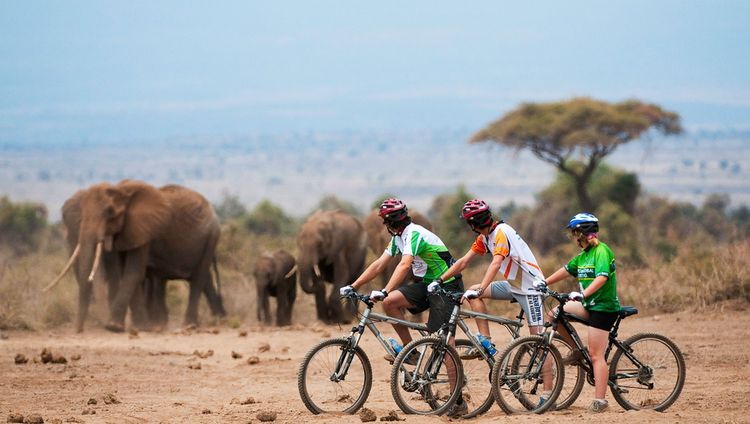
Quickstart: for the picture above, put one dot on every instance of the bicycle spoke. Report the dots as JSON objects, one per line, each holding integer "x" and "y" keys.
{"x": 651, "y": 376}
{"x": 323, "y": 385}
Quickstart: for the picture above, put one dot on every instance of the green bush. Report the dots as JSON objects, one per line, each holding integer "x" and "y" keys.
{"x": 268, "y": 218}
{"x": 21, "y": 224}
{"x": 445, "y": 214}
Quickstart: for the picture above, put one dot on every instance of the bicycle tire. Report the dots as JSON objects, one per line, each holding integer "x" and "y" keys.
{"x": 508, "y": 371}
{"x": 642, "y": 345}
{"x": 438, "y": 405}
{"x": 575, "y": 377}
{"x": 476, "y": 369}
{"x": 316, "y": 403}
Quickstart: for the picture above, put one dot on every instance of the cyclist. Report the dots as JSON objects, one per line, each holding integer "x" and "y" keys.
{"x": 597, "y": 303}
{"x": 426, "y": 255}
{"x": 510, "y": 254}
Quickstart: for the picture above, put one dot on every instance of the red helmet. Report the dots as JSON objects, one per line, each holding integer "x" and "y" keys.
{"x": 392, "y": 211}
{"x": 477, "y": 213}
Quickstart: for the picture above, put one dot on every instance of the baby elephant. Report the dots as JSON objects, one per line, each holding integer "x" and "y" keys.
{"x": 275, "y": 275}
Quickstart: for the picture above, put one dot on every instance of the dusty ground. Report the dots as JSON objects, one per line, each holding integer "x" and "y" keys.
{"x": 155, "y": 376}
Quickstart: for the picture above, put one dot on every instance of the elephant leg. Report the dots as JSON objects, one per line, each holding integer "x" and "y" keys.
{"x": 335, "y": 307}
{"x": 284, "y": 302}
{"x": 264, "y": 312}
{"x": 197, "y": 285}
{"x": 134, "y": 273}
{"x": 320, "y": 303}
{"x": 291, "y": 296}
{"x": 214, "y": 299}
{"x": 156, "y": 303}
{"x": 138, "y": 314}
{"x": 341, "y": 277}
{"x": 113, "y": 269}
{"x": 84, "y": 297}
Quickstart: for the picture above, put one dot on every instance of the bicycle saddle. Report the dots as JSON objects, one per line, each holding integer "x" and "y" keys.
{"x": 627, "y": 311}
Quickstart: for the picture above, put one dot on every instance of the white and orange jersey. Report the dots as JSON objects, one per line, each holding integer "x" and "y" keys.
{"x": 503, "y": 240}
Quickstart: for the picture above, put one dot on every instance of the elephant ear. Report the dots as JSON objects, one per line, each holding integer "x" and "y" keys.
{"x": 147, "y": 214}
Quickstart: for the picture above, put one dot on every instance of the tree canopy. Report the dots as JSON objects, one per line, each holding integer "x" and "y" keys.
{"x": 561, "y": 132}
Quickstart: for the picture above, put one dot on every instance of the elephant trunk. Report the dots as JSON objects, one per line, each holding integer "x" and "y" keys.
{"x": 85, "y": 270}
{"x": 309, "y": 280}
{"x": 65, "y": 270}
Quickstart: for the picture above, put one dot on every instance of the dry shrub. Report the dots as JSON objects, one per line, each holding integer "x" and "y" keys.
{"x": 693, "y": 280}
{"x": 22, "y": 302}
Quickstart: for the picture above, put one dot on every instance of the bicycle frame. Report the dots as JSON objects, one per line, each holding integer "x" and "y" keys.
{"x": 565, "y": 318}
{"x": 367, "y": 321}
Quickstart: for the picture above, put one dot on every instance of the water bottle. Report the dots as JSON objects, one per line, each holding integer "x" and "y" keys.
{"x": 487, "y": 344}
{"x": 395, "y": 345}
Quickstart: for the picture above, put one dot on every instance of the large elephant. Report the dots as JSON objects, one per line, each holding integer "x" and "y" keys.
{"x": 138, "y": 237}
{"x": 331, "y": 248}
{"x": 275, "y": 276}
{"x": 378, "y": 238}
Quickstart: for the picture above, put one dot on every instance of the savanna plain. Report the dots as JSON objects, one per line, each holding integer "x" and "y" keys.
{"x": 217, "y": 373}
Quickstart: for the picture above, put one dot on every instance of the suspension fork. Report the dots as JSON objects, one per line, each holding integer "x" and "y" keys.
{"x": 347, "y": 353}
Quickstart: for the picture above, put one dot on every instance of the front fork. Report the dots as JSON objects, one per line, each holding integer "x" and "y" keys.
{"x": 347, "y": 353}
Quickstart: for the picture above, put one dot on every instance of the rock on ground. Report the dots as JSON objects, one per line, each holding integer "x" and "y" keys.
{"x": 367, "y": 415}
{"x": 15, "y": 417}
{"x": 266, "y": 416}
{"x": 33, "y": 419}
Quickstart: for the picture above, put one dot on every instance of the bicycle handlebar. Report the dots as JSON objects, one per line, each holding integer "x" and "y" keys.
{"x": 453, "y": 296}
{"x": 364, "y": 298}
{"x": 560, "y": 297}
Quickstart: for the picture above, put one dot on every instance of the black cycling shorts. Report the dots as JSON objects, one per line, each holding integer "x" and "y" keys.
{"x": 602, "y": 320}
{"x": 440, "y": 309}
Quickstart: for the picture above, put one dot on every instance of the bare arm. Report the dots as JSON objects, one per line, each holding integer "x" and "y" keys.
{"x": 373, "y": 270}
{"x": 399, "y": 273}
{"x": 558, "y": 275}
{"x": 491, "y": 272}
{"x": 459, "y": 265}
{"x": 595, "y": 285}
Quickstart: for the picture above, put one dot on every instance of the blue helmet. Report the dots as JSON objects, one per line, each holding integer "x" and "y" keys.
{"x": 585, "y": 222}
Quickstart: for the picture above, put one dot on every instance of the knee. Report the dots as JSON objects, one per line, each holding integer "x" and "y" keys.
{"x": 389, "y": 304}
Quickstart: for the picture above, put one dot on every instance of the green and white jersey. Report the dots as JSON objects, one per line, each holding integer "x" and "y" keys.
{"x": 589, "y": 264}
{"x": 431, "y": 257}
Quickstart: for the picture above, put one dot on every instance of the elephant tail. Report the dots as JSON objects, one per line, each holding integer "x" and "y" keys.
{"x": 217, "y": 279}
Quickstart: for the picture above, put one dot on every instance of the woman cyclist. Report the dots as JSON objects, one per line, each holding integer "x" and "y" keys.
{"x": 597, "y": 302}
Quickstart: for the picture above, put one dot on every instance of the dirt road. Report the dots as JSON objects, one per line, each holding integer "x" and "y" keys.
{"x": 161, "y": 378}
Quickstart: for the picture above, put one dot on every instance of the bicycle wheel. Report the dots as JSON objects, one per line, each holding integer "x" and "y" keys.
{"x": 575, "y": 377}
{"x": 650, "y": 376}
{"x": 429, "y": 381}
{"x": 524, "y": 372}
{"x": 477, "y": 390}
{"x": 333, "y": 378}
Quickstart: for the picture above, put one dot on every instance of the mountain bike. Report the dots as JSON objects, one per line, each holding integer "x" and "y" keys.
{"x": 336, "y": 375}
{"x": 647, "y": 370}
{"x": 427, "y": 386}
{"x": 478, "y": 364}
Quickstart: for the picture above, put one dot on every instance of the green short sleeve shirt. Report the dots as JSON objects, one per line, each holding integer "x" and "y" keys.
{"x": 589, "y": 264}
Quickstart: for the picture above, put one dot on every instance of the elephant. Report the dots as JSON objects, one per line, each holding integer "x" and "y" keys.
{"x": 137, "y": 237}
{"x": 378, "y": 238}
{"x": 331, "y": 247}
{"x": 275, "y": 276}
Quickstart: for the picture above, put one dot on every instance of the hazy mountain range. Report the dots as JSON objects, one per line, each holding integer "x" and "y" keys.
{"x": 295, "y": 170}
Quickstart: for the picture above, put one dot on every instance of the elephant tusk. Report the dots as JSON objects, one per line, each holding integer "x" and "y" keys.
{"x": 291, "y": 271}
{"x": 72, "y": 259}
{"x": 317, "y": 270}
{"x": 96, "y": 261}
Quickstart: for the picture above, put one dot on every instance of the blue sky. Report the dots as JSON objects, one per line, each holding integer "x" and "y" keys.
{"x": 108, "y": 70}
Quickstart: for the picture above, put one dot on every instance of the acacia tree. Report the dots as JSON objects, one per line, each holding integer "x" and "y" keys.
{"x": 560, "y": 132}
